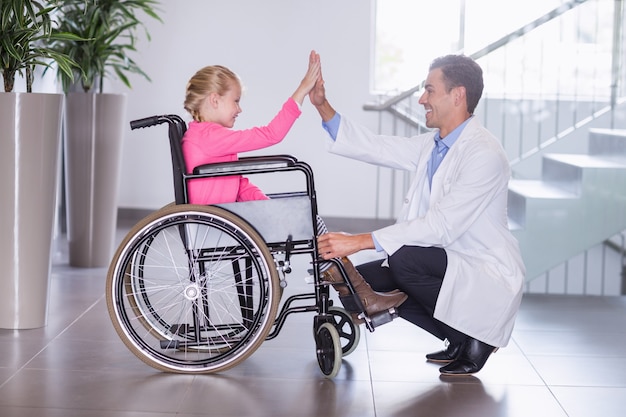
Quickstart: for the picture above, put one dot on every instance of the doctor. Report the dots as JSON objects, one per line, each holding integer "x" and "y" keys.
{"x": 451, "y": 249}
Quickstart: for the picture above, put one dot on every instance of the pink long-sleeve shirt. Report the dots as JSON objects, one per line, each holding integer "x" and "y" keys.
{"x": 207, "y": 142}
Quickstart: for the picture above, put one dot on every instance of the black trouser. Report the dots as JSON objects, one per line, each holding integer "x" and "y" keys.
{"x": 419, "y": 272}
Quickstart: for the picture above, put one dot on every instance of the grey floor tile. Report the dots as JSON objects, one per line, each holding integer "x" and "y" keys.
{"x": 582, "y": 371}
{"x": 95, "y": 390}
{"x": 253, "y": 396}
{"x": 65, "y": 412}
{"x": 591, "y": 401}
{"x": 86, "y": 355}
{"x": 572, "y": 343}
{"x": 400, "y": 399}
{"x": 400, "y": 335}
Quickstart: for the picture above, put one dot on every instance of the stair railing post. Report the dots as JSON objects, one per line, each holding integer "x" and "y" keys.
{"x": 616, "y": 56}
{"x": 623, "y": 286}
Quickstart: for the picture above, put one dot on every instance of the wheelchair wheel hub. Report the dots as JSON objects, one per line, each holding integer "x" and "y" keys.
{"x": 192, "y": 291}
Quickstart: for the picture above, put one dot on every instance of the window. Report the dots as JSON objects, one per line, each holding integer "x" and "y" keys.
{"x": 409, "y": 34}
{"x": 558, "y": 58}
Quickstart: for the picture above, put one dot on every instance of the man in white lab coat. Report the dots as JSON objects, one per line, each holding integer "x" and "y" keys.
{"x": 450, "y": 250}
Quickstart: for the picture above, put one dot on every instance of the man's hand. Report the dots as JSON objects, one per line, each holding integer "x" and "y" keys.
{"x": 317, "y": 95}
{"x": 337, "y": 245}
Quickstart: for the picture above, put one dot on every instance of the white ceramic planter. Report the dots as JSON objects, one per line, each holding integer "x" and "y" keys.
{"x": 30, "y": 132}
{"x": 94, "y": 126}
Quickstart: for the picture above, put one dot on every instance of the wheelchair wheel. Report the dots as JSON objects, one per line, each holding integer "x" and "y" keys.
{"x": 192, "y": 289}
{"x": 328, "y": 349}
{"x": 349, "y": 333}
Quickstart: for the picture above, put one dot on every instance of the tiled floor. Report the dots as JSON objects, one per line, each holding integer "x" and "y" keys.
{"x": 567, "y": 358}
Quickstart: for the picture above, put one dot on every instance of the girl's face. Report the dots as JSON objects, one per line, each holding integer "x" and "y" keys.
{"x": 223, "y": 109}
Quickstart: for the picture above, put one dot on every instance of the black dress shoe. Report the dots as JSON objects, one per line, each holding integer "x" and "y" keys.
{"x": 447, "y": 355}
{"x": 471, "y": 359}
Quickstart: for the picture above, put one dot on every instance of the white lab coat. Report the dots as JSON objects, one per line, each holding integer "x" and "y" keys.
{"x": 466, "y": 215}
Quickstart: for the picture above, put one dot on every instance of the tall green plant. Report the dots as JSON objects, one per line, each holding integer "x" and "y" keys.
{"x": 26, "y": 30}
{"x": 110, "y": 28}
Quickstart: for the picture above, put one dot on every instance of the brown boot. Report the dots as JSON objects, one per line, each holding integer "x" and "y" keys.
{"x": 374, "y": 302}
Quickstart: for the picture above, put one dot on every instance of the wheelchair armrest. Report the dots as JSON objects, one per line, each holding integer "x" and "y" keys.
{"x": 247, "y": 165}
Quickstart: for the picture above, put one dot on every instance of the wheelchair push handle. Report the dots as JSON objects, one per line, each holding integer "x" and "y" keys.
{"x": 171, "y": 119}
{"x": 147, "y": 122}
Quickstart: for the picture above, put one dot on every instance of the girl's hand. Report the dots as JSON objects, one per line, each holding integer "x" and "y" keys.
{"x": 317, "y": 95}
{"x": 313, "y": 74}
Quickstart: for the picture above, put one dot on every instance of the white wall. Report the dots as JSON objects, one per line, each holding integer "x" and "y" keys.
{"x": 267, "y": 43}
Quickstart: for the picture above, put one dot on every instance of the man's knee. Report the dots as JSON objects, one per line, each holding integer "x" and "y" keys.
{"x": 419, "y": 260}
{"x": 404, "y": 258}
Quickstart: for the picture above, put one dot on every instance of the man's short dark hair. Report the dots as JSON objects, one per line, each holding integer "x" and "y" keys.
{"x": 460, "y": 70}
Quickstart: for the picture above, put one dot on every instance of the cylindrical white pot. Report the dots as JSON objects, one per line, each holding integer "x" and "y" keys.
{"x": 94, "y": 126}
{"x": 30, "y": 132}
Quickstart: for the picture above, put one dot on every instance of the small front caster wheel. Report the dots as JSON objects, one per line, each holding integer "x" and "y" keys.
{"x": 349, "y": 333}
{"x": 328, "y": 350}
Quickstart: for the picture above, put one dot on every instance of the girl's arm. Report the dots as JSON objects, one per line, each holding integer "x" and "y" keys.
{"x": 217, "y": 141}
{"x": 224, "y": 142}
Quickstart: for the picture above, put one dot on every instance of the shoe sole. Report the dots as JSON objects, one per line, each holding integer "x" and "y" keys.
{"x": 439, "y": 360}
{"x": 466, "y": 374}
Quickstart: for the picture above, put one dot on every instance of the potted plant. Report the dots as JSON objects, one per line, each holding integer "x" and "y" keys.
{"x": 27, "y": 30}
{"x": 29, "y": 152}
{"x": 94, "y": 121}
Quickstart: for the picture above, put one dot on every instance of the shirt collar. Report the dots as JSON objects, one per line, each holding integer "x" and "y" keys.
{"x": 454, "y": 135}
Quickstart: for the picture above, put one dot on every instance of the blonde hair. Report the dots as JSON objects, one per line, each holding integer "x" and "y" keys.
{"x": 211, "y": 79}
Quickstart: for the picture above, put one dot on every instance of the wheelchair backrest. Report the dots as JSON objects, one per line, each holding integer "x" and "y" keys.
{"x": 177, "y": 129}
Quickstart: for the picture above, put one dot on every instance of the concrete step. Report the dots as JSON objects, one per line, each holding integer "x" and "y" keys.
{"x": 536, "y": 198}
{"x": 575, "y": 172}
{"x": 579, "y": 202}
{"x": 608, "y": 142}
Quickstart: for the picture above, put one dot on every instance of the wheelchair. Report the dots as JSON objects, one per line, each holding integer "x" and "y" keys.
{"x": 196, "y": 289}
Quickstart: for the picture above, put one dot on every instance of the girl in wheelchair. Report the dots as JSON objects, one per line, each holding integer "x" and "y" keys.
{"x": 213, "y": 100}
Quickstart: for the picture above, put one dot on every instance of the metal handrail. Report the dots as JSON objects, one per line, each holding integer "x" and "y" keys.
{"x": 565, "y": 132}
{"x": 505, "y": 40}
{"x": 493, "y": 46}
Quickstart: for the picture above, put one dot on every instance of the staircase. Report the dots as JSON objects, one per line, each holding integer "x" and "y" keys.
{"x": 579, "y": 202}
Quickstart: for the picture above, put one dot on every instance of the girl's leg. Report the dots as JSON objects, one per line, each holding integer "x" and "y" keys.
{"x": 372, "y": 301}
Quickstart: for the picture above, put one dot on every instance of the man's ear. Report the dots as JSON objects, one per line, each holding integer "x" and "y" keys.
{"x": 460, "y": 96}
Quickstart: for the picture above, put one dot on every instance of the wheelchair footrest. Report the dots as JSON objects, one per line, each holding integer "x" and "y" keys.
{"x": 383, "y": 317}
